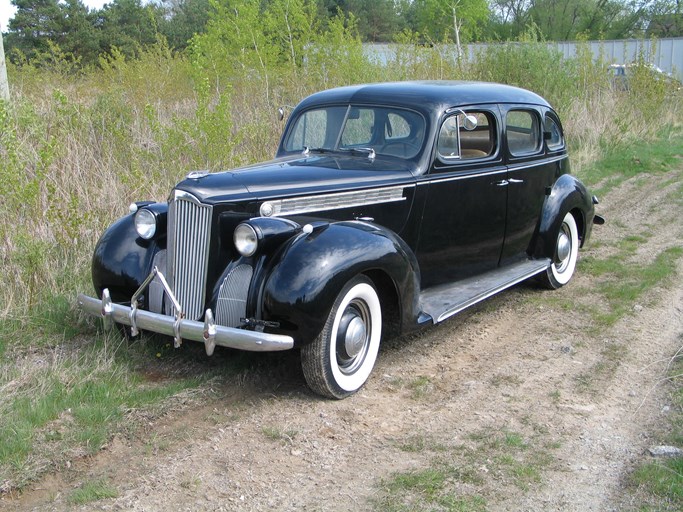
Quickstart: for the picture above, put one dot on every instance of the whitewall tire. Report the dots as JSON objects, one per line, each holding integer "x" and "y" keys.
{"x": 341, "y": 358}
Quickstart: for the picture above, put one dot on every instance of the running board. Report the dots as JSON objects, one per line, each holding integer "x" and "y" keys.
{"x": 442, "y": 302}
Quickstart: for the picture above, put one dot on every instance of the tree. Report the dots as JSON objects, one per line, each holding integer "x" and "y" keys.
{"x": 569, "y": 19}
{"x": 33, "y": 24}
{"x": 39, "y": 23}
{"x": 434, "y": 19}
{"x": 376, "y": 20}
{"x": 128, "y": 25}
{"x": 183, "y": 19}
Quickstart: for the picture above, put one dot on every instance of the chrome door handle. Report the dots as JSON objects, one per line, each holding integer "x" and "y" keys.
{"x": 514, "y": 180}
{"x": 502, "y": 183}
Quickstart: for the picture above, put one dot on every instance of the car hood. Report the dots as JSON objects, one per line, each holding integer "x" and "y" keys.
{"x": 296, "y": 177}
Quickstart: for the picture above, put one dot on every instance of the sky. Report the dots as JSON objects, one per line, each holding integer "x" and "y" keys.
{"x": 7, "y": 10}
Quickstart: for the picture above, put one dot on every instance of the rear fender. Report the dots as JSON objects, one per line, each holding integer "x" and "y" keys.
{"x": 310, "y": 272}
{"x": 568, "y": 194}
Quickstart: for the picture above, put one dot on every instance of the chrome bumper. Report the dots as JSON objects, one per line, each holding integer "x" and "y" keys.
{"x": 207, "y": 332}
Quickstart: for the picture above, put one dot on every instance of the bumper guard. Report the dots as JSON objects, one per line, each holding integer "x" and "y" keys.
{"x": 206, "y": 332}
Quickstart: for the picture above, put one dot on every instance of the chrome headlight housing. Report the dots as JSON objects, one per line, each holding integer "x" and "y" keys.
{"x": 246, "y": 239}
{"x": 145, "y": 223}
{"x": 263, "y": 234}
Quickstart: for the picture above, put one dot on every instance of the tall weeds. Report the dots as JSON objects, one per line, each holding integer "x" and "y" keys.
{"x": 77, "y": 146}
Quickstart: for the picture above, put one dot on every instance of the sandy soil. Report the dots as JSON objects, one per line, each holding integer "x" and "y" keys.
{"x": 528, "y": 363}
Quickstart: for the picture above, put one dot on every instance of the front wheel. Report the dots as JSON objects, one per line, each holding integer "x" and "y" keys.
{"x": 341, "y": 358}
{"x": 562, "y": 267}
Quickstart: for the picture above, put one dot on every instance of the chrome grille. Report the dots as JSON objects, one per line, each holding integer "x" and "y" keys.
{"x": 189, "y": 233}
{"x": 232, "y": 297}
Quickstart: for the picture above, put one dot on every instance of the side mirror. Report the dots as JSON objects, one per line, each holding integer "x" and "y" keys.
{"x": 469, "y": 122}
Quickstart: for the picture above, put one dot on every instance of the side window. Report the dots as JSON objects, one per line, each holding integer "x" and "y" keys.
{"x": 523, "y": 132}
{"x": 448, "y": 146}
{"x": 553, "y": 134}
{"x": 457, "y": 143}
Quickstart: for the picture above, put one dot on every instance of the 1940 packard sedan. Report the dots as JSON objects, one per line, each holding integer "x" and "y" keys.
{"x": 388, "y": 207}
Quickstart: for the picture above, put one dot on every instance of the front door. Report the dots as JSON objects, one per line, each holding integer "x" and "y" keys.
{"x": 463, "y": 224}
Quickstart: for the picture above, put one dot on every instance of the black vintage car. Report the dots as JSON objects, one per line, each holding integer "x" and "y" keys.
{"x": 388, "y": 207}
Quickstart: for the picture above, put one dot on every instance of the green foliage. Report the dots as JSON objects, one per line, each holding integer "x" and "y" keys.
{"x": 436, "y": 19}
{"x": 92, "y": 491}
{"x": 622, "y": 282}
{"x": 531, "y": 64}
{"x": 70, "y": 401}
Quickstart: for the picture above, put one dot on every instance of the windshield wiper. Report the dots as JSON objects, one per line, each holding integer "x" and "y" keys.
{"x": 308, "y": 150}
{"x": 370, "y": 152}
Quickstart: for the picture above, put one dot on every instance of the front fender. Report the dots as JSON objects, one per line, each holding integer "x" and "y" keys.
{"x": 568, "y": 194}
{"x": 305, "y": 281}
{"x": 122, "y": 260}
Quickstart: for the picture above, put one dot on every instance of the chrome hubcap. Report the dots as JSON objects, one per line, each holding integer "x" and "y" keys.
{"x": 564, "y": 247}
{"x": 352, "y": 337}
{"x": 355, "y": 337}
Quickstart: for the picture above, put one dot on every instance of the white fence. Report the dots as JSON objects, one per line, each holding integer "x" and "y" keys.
{"x": 667, "y": 53}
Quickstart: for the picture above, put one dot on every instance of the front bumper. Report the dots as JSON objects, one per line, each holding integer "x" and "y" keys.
{"x": 180, "y": 328}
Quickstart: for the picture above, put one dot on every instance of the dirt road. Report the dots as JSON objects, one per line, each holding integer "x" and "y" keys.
{"x": 521, "y": 403}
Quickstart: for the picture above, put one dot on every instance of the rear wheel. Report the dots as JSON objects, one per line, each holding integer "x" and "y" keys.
{"x": 341, "y": 358}
{"x": 566, "y": 254}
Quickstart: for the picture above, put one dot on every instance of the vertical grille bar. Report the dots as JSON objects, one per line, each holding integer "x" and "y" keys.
{"x": 189, "y": 234}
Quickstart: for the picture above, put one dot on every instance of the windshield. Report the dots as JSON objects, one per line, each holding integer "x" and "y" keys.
{"x": 386, "y": 130}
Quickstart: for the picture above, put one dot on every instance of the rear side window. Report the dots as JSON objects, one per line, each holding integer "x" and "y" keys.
{"x": 523, "y": 132}
{"x": 553, "y": 134}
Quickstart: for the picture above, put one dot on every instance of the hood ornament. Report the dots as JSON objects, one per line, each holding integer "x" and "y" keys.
{"x": 195, "y": 175}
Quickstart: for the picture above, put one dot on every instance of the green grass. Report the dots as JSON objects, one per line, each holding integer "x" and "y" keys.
{"x": 72, "y": 402}
{"x": 71, "y": 143}
{"x": 624, "y": 161}
{"x": 425, "y": 490}
{"x": 660, "y": 482}
{"x": 420, "y": 387}
{"x": 621, "y": 280}
{"x": 458, "y": 476}
{"x": 279, "y": 434}
{"x": 92, "y": 491}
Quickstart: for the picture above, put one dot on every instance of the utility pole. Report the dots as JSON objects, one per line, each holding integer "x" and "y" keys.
{"x": 4, "y": 84}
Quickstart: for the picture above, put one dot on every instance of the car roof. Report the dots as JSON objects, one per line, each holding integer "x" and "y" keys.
{"x": 425, "y": 95}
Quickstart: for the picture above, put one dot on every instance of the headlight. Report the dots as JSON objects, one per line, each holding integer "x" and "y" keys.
{"x": 246, "y": 240}
{"x": 145, "y": 223}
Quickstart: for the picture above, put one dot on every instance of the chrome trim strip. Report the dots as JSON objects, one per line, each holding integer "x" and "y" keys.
{"x": 337, "y": 201}
{"x": 536, "y": 163}
{"x": 190, "y": 329}
{"x": 461, "y": 177}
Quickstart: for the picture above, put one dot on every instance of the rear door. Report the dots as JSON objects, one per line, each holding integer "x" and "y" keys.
{"x": 530, "y": 171}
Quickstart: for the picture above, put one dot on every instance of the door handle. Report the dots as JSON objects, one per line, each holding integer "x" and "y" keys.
{"x": 514, "y": 180}
{"x": 502, "y": 183}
